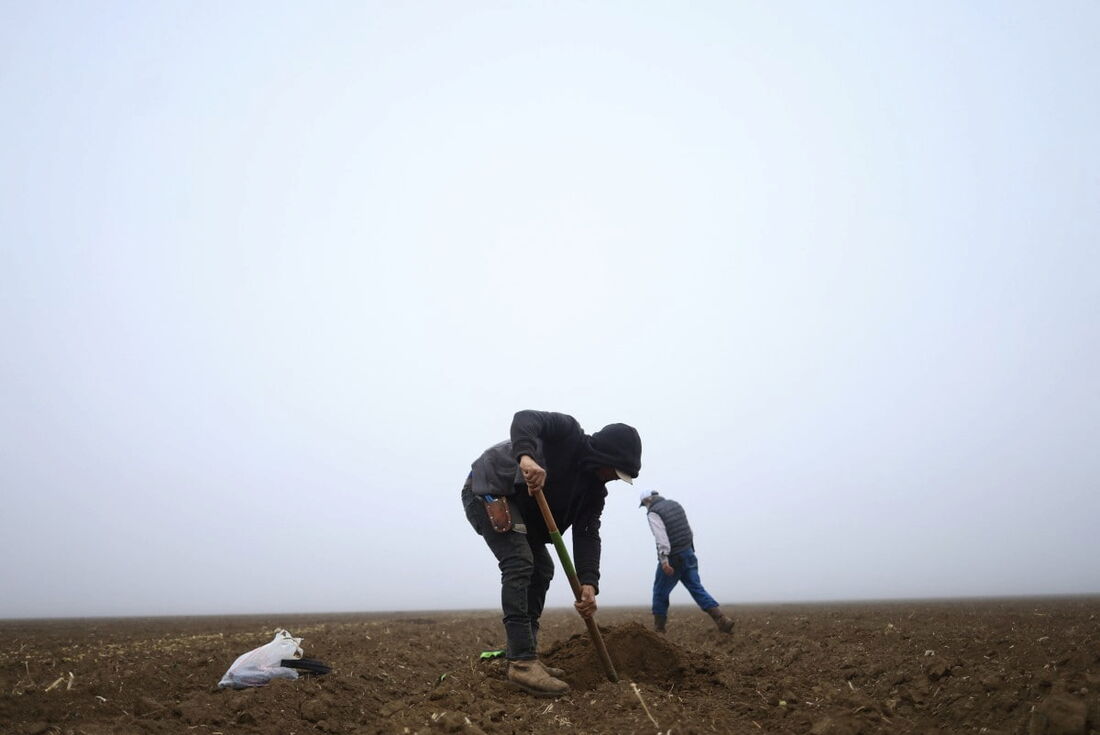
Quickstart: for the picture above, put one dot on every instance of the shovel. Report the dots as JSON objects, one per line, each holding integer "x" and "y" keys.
{"x": 567, "y": 564}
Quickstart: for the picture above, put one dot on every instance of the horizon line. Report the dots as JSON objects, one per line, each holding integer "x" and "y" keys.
{"x": 1064, "y": 596}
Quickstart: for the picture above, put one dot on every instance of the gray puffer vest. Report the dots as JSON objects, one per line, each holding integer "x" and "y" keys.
{"x": 676, "y": 524}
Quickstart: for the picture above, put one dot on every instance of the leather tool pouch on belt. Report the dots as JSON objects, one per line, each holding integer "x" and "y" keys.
{"x": 499, "y": 515}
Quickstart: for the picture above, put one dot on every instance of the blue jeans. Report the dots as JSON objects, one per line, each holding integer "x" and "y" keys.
{"x": 685, "y": 569}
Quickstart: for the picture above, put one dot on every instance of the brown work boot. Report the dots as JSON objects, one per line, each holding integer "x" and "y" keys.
{"x": 556, "y": 673}
{"x": 659, "y": 623}
{"x": 532, "y": 678}
{"x": 723, "y": 623}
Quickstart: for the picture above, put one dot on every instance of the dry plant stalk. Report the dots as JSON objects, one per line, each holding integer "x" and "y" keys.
{"x": 638, "y": 693}
{"x": 20, "y": 687}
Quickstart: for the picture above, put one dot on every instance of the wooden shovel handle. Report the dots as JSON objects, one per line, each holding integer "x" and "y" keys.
{"x": 571, "y": 573}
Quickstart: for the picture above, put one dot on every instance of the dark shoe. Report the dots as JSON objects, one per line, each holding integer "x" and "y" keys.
{"x": 723, "y": 623}
{"x": 556, "y": 673}
{"x": 532, "y": 678}
{"x": 659, "y": 623}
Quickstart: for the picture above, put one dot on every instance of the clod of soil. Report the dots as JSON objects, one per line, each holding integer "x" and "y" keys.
{"x": 638, "y": 654}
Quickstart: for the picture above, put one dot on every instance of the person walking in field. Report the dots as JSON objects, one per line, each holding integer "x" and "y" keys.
{"x": 676, "y": 561}
{"x": 548, "y": 452}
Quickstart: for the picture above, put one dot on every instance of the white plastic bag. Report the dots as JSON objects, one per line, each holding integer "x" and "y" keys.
{"x": 261, "y": 665}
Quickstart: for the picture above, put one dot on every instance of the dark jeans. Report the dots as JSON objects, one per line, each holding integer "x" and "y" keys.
{"x": 685, "y": 569}
{"x": 525, "y": 573}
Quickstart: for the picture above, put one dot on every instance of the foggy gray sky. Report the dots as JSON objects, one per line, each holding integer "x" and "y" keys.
{"x": 272, "y": 276}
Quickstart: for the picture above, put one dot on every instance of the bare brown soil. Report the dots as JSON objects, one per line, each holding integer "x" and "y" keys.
{"x": 1030, "y": 666}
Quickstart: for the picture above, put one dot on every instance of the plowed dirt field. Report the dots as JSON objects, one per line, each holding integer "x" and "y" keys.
{"x": 1023, "y": 666}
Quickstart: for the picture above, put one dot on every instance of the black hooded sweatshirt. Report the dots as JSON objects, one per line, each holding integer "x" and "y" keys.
{"x": 572, "y": 490}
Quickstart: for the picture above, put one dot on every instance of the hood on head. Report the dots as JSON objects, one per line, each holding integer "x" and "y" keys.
{"x": 617, "y": 446}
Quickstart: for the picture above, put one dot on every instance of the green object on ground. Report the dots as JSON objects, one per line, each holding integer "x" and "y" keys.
{"x": 492, "y": 654}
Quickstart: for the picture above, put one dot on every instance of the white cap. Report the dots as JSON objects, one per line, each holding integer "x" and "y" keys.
{"x": 644, "y": 496}
{"x": 625, "y": 477}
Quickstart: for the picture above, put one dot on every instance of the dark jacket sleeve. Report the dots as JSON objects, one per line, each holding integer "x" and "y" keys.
{"x": 530, "y": 428}
{"x": 587, "y": 545}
